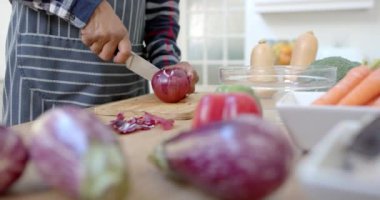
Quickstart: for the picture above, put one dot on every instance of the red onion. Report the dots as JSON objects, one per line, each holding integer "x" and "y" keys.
{"x": 246, "y": 158}
{"x": 78, "y": 154}
{"x": 171, "y": 84}
{"x": 13, "y": 158}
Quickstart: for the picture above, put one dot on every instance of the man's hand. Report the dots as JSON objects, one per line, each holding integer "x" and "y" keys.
{"x": 190, "y": 72}
{"x": 105, "y": 34}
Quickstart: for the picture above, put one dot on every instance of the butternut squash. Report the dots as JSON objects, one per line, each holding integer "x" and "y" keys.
{"x": 262, "y": 67}
{"x": 304, "y": 51}
{"x": 262, "y": 55}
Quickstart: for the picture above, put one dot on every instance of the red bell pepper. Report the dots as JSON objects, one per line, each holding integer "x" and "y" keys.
{"x": 221, "y": 106}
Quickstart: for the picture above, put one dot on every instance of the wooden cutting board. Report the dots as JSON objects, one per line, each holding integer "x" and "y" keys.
{"x": 182, "y": 110}
{"x": 147, "y": 182}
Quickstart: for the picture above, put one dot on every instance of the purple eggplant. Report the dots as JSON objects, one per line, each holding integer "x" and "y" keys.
{"x": 77, "y": 154}
{"x": 246, "y": 158}
{"x": 13, "y": 158}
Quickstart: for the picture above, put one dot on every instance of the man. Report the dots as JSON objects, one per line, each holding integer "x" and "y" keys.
{"x": 63, "y": 52}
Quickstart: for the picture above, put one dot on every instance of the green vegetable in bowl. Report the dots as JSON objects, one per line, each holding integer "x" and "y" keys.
{"x": 343, "y": 65}
{"x": 238, "y": 88}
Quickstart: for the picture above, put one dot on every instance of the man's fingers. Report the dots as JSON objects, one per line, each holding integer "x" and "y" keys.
{"x": 97, "y": 47}
{"x": 194, "y": 79}
{"x": 195, "y": 76}
{"x": 191, "y": 73}
{"x": 88, "y": 41}
{"x": 108, "y": 51}
{"x": 124, "y": 51}
{"x": 104, "y": 37}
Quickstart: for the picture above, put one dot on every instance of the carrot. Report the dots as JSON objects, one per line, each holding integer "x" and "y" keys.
{"x": 367, "y": 89}
{"x": 344, "y": 86}
{"x": 375, "y": 102}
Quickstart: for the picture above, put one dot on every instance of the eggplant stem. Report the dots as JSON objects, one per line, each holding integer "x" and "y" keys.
{"x": 158, "y": 158}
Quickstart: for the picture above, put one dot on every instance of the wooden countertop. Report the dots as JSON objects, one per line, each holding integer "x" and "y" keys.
{"x": 147, "y": 182}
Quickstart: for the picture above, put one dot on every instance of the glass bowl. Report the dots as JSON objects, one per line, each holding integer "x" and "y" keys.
{"x": 281, "y": 78}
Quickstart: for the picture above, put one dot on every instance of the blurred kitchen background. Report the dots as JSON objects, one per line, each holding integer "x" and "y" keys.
{"x": 218, "y": 33}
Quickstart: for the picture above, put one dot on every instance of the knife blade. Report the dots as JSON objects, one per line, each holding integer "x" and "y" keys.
{"x": 140, "y": 66}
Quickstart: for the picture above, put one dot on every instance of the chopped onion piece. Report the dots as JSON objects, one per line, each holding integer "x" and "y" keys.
{"x": 145, "y": 122}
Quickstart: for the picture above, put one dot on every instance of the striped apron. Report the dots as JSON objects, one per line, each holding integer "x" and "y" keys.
{"x": 48, "y": 65}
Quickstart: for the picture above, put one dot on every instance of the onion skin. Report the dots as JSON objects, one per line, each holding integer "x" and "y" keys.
{"x": 242, "y": 159}
{"x": 13, "y": 158}
{"x": 77, "y": 154}
{"x": 171, "y": 85}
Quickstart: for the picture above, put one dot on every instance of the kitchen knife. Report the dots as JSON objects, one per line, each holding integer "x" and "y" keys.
{"x": 141, "y": 66}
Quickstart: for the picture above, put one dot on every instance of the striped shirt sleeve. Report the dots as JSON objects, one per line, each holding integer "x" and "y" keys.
{"x": 161, "y": 31}
{"x": 77, "y": 12}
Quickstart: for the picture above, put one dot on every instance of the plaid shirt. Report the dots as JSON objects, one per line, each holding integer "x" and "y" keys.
{"x": 161, "y": 30}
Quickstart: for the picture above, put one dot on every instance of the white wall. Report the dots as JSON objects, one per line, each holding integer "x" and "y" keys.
{"x": 357, "y": 32}
{"x": 354, "y": 34}
{"x": 5, "y": 12}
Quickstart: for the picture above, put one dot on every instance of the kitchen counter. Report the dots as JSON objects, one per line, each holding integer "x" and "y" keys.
{"x": 147, "y": 182}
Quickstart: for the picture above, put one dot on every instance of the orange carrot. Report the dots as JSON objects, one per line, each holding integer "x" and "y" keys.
{"x": 367, "y": 89}
{"x": 375, "y": 102}
{"x": 344, "y": 86}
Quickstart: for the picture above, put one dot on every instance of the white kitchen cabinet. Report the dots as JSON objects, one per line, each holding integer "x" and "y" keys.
{"x": 283, "y": 6}
{"x": 352, "y": 33}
